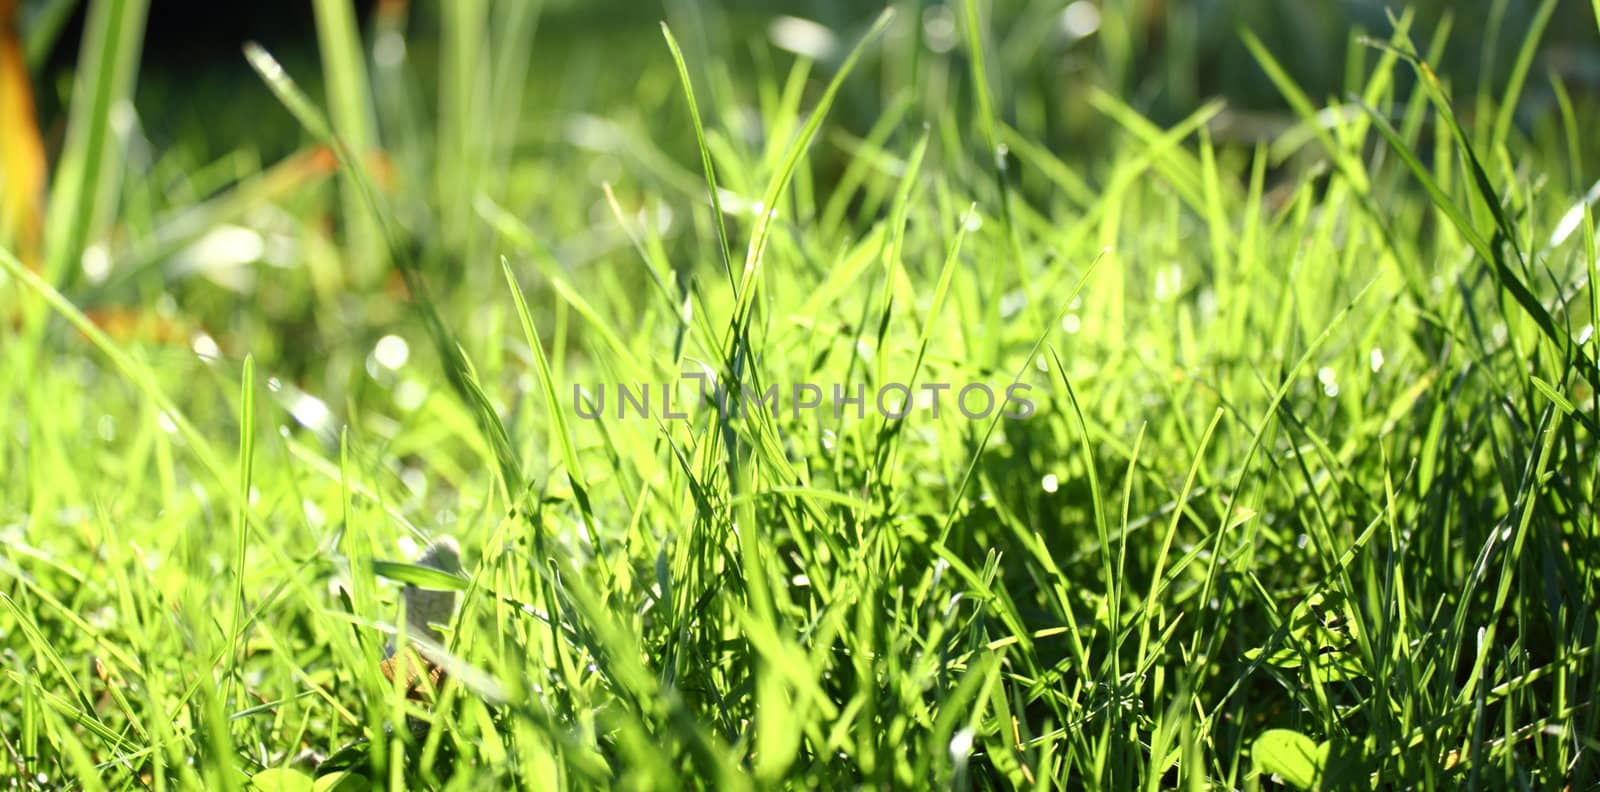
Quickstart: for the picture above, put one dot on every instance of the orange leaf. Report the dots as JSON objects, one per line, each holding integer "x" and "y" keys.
{"x": 136, "y": 324}
{"x": 22, "y": 163}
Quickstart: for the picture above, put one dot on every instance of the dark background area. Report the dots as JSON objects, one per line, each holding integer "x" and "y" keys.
{"x": 195, "y": 86}
{"x": 188, "y": 38}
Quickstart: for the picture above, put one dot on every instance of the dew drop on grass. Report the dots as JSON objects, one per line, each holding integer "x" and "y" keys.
{"x": 415, "y": 480}
{"x": 312, "y": 413}
{"x": 802, "y": 37}
{"x": 389, "y": 50}
{"x": 894, "y": 405}
{"x": 274, "y": 384}
{"x": 1012, "y": 303}
{"x": 939, "y": 28}
{"x": 391, "y": 352}
{"x": 96, "y": 263}
{"x": 409, "y": 394}
{"x": 1080, "y": 20}
{"x": 102, "y": 618}
{"x": 205, "y": 347}
{"x": 1071, "y": 324}
{"x": 1051, "y": 484}
{"x": 1169, "y": 282}
{"x": 315, "y": 517}
{"x": 961, "y": 746}
{"x": 864, "y": 349}
{"x": 950, "y": 604}
{"x": 1376, "y": 359}
{"x": 1330, "y": 381}
{"x": 167, "y": 424}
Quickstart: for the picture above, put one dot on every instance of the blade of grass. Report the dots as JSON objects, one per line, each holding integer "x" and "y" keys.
{"x": 247, "y": 445}
{"x": 724, "y": 246}
{"x": 83, "y": 191}
{"x": 557, "y": 416}
{"x": 349, "y": 97}
{"x": 760, "y": 235}
{"x": 1511, "y": 97}
{"x": 982, "y": 84}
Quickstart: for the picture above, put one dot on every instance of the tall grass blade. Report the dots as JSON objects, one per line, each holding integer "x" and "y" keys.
{"x": 84, "y": 189}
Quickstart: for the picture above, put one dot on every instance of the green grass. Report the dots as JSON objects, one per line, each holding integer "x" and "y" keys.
{"x": 1307, "y": 499}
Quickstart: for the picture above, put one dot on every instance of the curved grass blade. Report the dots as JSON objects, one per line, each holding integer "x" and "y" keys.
{"x": 558, "y": 418}
{"x": 83, "y": 192}
{"x": 786, "y": 170}
{"x": 1511, "y": 96}
{"x": 247, "y": 456}
{"x": 724, "y": 247}
{"x": 420, "y": 576}
{"x": 1490, "y": 253}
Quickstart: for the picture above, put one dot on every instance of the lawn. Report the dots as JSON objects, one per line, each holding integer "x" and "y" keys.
{"x": 986, "y": 395}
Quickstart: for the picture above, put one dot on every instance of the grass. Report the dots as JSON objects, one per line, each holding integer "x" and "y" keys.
{"x": 1306, "y": 498}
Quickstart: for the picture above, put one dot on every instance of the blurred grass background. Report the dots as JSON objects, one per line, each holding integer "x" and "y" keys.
{"x": 599, "y": 100}
{"x": 1162, "y": 56}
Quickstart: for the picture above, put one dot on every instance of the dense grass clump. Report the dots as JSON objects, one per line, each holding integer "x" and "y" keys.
{"x": 1294, "y": 485}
